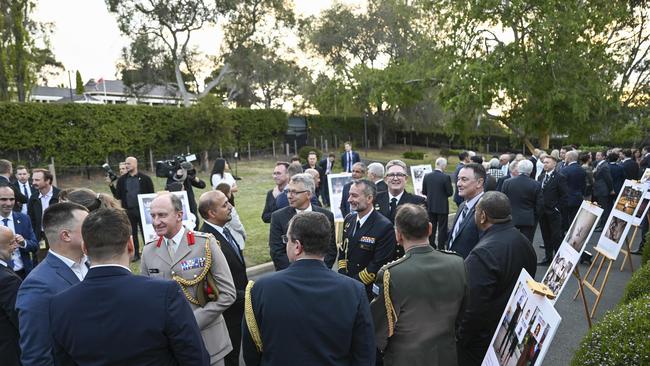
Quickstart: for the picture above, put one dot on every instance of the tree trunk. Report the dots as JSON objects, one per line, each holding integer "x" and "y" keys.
{"x": 181, "y": 83}
{"x": 544, "y": 140}
{"x": 380, "y": 131}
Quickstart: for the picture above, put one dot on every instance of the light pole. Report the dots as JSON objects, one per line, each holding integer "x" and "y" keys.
{"x": 365, "y": 131}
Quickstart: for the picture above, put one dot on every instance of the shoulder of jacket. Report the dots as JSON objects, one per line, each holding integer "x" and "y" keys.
{"x": 396, "y": 262}
{"x": 450, "y": 252}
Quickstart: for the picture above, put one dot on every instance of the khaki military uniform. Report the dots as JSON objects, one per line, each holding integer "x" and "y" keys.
{"x": 189, "y": 263}
{"x": 419, "y": 298}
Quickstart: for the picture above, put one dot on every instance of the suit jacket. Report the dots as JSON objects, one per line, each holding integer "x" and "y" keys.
{"x": 411, "y": 279}
{"x": 160, "y": 330}
{"x": 146, "y": 186}
{"x": 309, "y": 315}
{"x": 631, "y": 169}
{"x": 345, "y": 194}
{"x": 35, "y": 210}
{"x": 49, "y": 278}
{"x": 382, "y": 203}
{"x": 645, "y": 164}
{"x": 526, "y": 200}
{"x": 236, "y": 265}
{"x": 269, "y": 207}
{"x": 437, "y": 187}
{"x": 576, "y": 183}
{"x": 23, "y": 226}
{"x": 188, "y": 262}
{"x": 603, "y": 182}
{"x": 9, "y": 348}
{"x": 618, "y": 176}
{"x": 345, "y": 162}
{"x": 554, "y": 192}
{"x": 467, "y": 237}
{"x": 17, "y": 188}
{"x": 381, "y": 186}
{"x": 533, "y": 173}
{"x": 493, "y": 267}
{"x": 280, "y": 224}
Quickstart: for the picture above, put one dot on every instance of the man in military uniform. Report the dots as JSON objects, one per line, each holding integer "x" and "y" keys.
{"x": 368, "y": 237}
{"x": 424, "y": 334}
{"x": 196, "y": 262}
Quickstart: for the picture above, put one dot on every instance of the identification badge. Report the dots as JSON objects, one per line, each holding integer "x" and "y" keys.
{"x": 375, "y": 289}
{"x": 154, "y": 270}
{"x": 365, "y": 246}
{"x": 193, "y": 263}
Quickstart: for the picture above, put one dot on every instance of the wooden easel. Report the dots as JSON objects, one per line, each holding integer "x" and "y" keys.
{"x": 627, "y": 249}
{"x": 591, "y": 284}
{"x": 581, "y": 290}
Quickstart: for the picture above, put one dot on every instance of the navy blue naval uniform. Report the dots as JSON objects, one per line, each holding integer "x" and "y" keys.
{"x": 366, "y": 250}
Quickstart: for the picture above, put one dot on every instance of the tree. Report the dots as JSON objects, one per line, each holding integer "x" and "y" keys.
{"x": 79, "y": 83}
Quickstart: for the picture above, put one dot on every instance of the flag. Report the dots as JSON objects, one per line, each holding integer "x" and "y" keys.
{"x": 101, "y": 80}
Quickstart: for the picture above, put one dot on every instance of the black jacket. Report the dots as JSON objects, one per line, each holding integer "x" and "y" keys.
{"x": 554, "y": 193}
{"x": 493, "y": 267}
{"x": 437, "y": 187}
{"x": 526, "y": 199}
{"x": 146, "y": 186}
{"x": 603, "y": 183}
{"x": 631, "y": 169}
{"x": 9, "y": 347}
{"x": 382, "y": 203}
{"x": 35, "y": 210}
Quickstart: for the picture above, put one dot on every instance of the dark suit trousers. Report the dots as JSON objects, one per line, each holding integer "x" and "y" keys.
{"x": 606, "y": 203}
{"x": 324, "y": 191}
{"x": 551, "y": 226}
{"x": 528, "y": 231}
{"x": 439, "y": 223}
{"x": 569, "y": 214}
{"x": 134, "y": 218}
{"x": 233, "y": 317}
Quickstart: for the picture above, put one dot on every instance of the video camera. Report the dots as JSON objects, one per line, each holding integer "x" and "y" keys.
{"x": 169, "y": 168}
{"x": 111, "y": 174}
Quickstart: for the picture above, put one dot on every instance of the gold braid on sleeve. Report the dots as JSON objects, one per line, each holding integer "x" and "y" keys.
{"x": 193, "y": 282}
{"x": 251, "y": 323}
{"x": 390, "y": 310}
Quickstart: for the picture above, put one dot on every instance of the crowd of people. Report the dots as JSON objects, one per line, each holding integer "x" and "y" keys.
{"x": 403, "y": 286}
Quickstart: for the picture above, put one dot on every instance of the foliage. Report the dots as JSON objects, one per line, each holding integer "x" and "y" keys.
{"x": 345, "y": 128}
{"x": 645, "y": 257}
{"x": 620, "y": 338}
{"x": 638, "y": 286}
{"x": 79, "y": 83}
{"x": 414, "y": 155}
{"x": 83, "y": 134}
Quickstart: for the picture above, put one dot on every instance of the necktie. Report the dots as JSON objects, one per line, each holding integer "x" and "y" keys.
{"x": 356, "y": 228}
{"x": 5, "y": 222}
{"x": 546, "y": 179}
{"x": 393, "y": 206}
{"x": 170, "y": 248}
{"x": 232, "y": 242}
{"x": 349, "y": 161}
{"x": 25, "y": 192}
{"x": 461, "y": 217}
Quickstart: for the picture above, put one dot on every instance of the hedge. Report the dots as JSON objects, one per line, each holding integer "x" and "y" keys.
{"x": 620, "y": 338}
{"x": 638, "y": 286}
{"x": 79, "y": 134}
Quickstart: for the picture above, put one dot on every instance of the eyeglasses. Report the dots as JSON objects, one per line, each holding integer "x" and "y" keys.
{"x": 293, "y": 193}
{"x": 285, "y": 239}
{"x": 395, "y": 175}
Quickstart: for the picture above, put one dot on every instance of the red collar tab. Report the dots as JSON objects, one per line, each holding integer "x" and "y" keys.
{"x": 160, "y": 239}
{"x": 190, "y": 237}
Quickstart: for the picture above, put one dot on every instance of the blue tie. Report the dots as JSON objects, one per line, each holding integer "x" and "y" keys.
{"x": 25, "y": 191}
{"x": 5, "y": 222}
{"x": 232, "y": 242}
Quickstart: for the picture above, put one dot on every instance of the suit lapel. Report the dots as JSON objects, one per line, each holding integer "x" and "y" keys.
{"x": 62, "y": 270}
{"x": 163, "y": 253}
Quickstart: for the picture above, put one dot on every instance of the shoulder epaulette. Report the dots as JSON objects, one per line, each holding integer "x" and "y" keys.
{"x": 249, "y": 316}
{"x": 449, "y": 252}
{"x": 390, "y": 310}
{"x": 396, "y": 261}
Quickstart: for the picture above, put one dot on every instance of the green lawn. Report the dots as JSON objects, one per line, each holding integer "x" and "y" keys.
{"x": 256, "y": 181}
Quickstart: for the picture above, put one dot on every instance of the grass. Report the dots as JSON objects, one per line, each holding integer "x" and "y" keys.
{"x": 256, "y": 181}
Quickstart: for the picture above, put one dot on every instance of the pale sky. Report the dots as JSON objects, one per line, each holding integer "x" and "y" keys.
{"x": 86, "y": 38}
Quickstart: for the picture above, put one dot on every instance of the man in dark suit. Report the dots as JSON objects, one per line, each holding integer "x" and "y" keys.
{"x": 576, "y": 185}
{"x": 128, "y": 187}
{"x": 300, "y": 189}
{"x": 9, "y": 283}
{"x": 645, "y": 161}
{"x": 368, "y": 237}
{"x": 603, "y": 189}
{"x": 216, "y": 210}
{"x": 280, "y": 178}
{"x": 349, "y": 158}
{"x": 186, "y": 179}
{"x": 312, "y": 163}
{"x": 326, "y": 166}
{"x": 307, "y": 314}
{"x": 437, "y": 187}
{"x": 64, "y": 266}
{"x": 23, "y": 184}
{"x": 38, "y": 203}
{"x": 86, "y": 330}
{"x": 554, "y": 191}
{"x": 464, "y": 233}
{"x": 493, "y": 267}
{"x": 525, "y": 195}
{"x": 376, "y": 175}
{"x": 463, "y": 158}
{"x": 21, "y": 226}
{"x": 387, "y": 202}
{"x": 6, "y": 179}
{"x": 616, "y": 171}
{"x": 630, "y": 165}
{"x": 358, "y": 171}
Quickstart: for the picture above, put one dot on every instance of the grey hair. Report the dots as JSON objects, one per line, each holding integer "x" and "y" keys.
{"x": 571, "y": 156}
{"x": 494, "y": 163}
{"x": 369, "y": 188}
{"x": 399, "y": 163}
{"x": 513, "y": 165}
{"x": 525, "y": 167}
{"x": 376, "y": 169}
{"x": 441, "y": 162}
{"x": 306, "y": 179}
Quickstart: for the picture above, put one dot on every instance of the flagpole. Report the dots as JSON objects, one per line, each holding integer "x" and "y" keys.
{"x": 104, "y": 83}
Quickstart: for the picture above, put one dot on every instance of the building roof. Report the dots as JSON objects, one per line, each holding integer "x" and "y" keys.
{"x": 148, "y": 91}
{"x": 51, "y": 91}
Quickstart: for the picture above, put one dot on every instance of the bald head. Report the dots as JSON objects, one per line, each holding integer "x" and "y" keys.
{"x": 215, "y": 208}
{"x": 7, "y": 243}
{"x": 131, "y": 165}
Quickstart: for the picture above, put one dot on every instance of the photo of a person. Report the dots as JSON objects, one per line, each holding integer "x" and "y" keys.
{"x": 579, "y": 231}
{"x": 642, "y": 207}
{"x": 615, "y": 229}
{"x": 417, "y": 174}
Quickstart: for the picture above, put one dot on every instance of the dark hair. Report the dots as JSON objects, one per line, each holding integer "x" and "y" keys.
{"x": 282, "y": 163}
{"x": 584, "y": 157}
{"x": 496, "y": 206}
{"x": 627, "y": 153}
{"x": 47, "y": 176}
{"x": 612, "y": 157}
{"x": 313, "y": 230}
{"x": 106, "y": 232}
{"x": 5, "y": 166}
{"x": 88, "y": 198}
{"x": 369, "y": 187}
{"x": 219, "y": 167}
{"x": 479, "y": 171}
{"x": 412, "y": 221}
{"x": 227, "y": 190}
{"x": 19, "y": 167}
{"x": 58, "y": 215}
{"x": 462, "y": 156}
{"x": 332, "y": 155}
{"x": 476, "y": 159}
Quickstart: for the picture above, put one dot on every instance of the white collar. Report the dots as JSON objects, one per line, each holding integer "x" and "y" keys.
{"x": 179, "y": 236}
{"x": 469, "y": 204}
{"x": 3, "y": 263}
{"x": 48, "y": 194}
{"x": 362, "y": 220}
{"x": 110, "y": 265}
{"x": 68, "y": 262}
{"x": 399, "y": 196}
{"x": 216, "y": 227}
{"x": 308, "y": 209}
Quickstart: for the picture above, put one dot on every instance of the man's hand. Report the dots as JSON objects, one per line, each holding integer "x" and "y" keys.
{"x": 20, "y": 240}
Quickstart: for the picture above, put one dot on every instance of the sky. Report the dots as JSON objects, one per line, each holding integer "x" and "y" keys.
{"x": 86, "y": 38}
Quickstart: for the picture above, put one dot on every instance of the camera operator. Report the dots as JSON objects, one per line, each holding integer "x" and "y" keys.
{"x": 111, "y": 177}
{"x": 184, "y": 179}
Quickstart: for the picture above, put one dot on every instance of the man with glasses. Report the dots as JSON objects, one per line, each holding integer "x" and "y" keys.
{"x": 387, "y": 202}
{"x": 300, "y": 189}
{"x": 358, "y": 172}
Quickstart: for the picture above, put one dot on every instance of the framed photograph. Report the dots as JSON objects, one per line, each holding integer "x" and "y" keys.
{"x": 645, "y": 176}
{"x": 642, "y": 210}
{"x": 335, "y": 183}
{"x": 559, "y": 272}
{"x": 417, "y": 173}
{"x": 583, "y": 226}
{"x": 144, "y": 201}
{"x": 614, "y": 234}
{"x": 628, "y": 199}
{"x": 526, "y": 329}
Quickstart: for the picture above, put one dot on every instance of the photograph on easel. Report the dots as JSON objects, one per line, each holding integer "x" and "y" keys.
{"x": 614, "y": 235}
{"x": 526, "y": 328}
{"x": 417, "y": 174}
{"x": 335, "y": 183}
{"x": 642, "y": 209}
{"x": 582, "y": 227}
{"x": 560, "y": 269}
{"x": 646, "y": 175}
{"x": 629, "y": 198}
